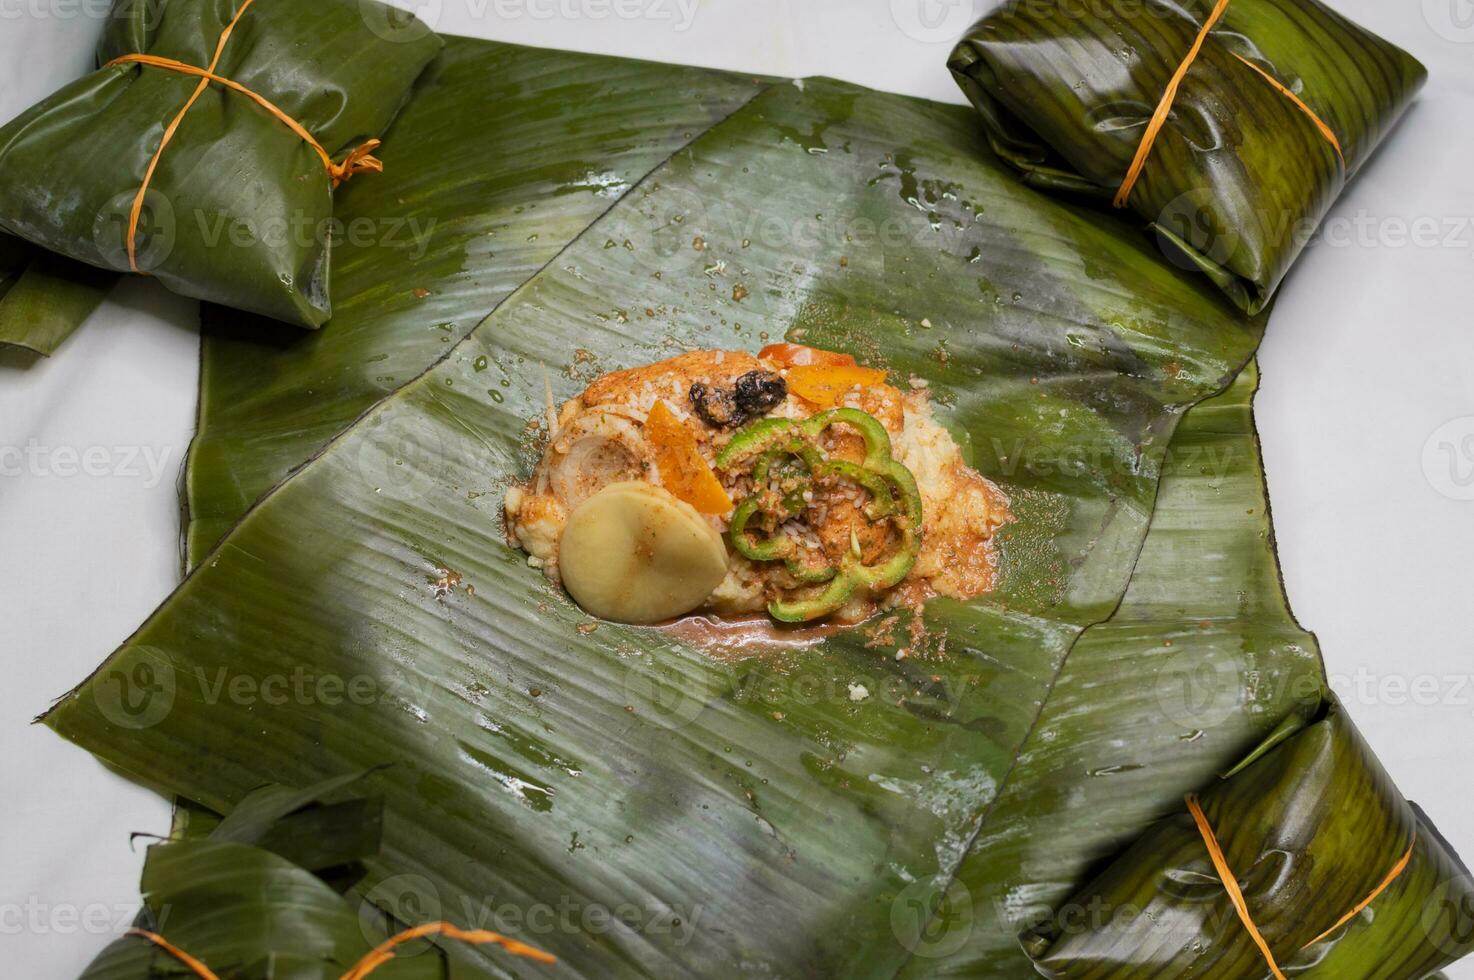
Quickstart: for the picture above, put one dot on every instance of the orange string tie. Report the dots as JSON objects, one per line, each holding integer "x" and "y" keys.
{"x": 380, "y": 954}
{"x": 1320, "y": 124}
{"x": 384, "y": 952}
{"x": 199, "y": 969}
{"x": 1169, "y": 96}
{"x": 1236, "y": 896}
{"x": 358, "y": 160}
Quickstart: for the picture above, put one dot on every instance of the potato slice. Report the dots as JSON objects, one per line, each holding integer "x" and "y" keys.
{"x": 633, "y": 553}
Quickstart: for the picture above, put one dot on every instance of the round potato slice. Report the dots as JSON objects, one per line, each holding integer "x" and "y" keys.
{"x": 632, "y": 553}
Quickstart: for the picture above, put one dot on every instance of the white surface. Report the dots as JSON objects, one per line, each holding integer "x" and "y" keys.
{"x": 1371, "y": 351}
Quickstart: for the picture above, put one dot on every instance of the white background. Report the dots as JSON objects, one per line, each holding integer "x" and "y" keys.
{"x": 1370, "y": 352}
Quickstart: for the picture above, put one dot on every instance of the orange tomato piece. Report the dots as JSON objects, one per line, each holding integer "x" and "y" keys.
{"x": 826, "y": 384}
{"x": 793, "y": 355}
{"x": 683, "y": 471}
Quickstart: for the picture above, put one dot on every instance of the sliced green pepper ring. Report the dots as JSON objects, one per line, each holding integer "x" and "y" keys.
{"x": 893, "y": 496}
{"x": 778, "y": 547}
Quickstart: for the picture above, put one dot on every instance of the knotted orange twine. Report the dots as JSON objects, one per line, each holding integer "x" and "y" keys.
{"x": 379, "y": 955}
{"x": 1236, "y": 895}
{"x": 358, "y": 160}
{"x": 1164, "y": 107}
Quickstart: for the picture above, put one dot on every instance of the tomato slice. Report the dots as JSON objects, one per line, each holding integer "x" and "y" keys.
{"x": 797, "y": 355}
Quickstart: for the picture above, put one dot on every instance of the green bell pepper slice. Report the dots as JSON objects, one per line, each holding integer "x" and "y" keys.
{"x": 893, "y": 496}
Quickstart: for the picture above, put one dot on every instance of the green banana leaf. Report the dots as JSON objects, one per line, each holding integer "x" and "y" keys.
{"x": 44, "y": 298}
{"x": 538, "y": 763}
{"x": 257, "y": 897}
{"x": 1240, "y": 175}
{"x": 1202, "y": 663}
{"x": 466, "y": 214}
{"x": 1311, "y": 826}
{"x": 239, "y": 210}
{"x": 791, "y": 826}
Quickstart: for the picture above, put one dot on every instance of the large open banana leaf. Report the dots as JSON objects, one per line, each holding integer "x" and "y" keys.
{"x": 503, "y": 155}
{"x": 1012, "y": 874}
{"x": 532, "y": 761}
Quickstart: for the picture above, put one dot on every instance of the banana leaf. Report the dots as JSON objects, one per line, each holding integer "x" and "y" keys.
{"x": 467, "y": 215}
{"x": 1310, "y": 825}
{"x": 536, "y": 763}
{"x": 239, "y": 210}
{"x": 257, "y": 897}
{"x": 44, "y": 298}
{"x": 822, "y": 822}
{"x": 1202, "y": 663}
{"x": 1240, "y": 175}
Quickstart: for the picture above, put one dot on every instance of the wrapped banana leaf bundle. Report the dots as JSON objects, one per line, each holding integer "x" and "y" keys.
{"x": 1231, "y": 127}
{"x": 1304, "y": 859}
{"x": 264, "y": 892}
{"x": 205, "y": 150}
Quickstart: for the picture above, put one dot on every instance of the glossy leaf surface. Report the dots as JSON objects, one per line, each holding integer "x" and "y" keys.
{"x": 535, "y": 762}
{"x": 796, "y": 812}
{"x": 1240, "y": 174}
{"x": 238, "y": 207}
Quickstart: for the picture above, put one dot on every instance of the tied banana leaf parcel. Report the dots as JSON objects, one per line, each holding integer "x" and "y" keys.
{"x": 145, "y": 167}
{"x": 1310, "y": 828}
{"x": 1281, "y": 106}
{"x": 536, "y": 762}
